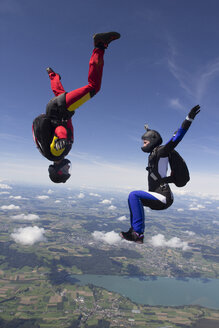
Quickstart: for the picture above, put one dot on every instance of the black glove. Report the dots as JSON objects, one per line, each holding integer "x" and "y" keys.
{"x": 193, "y": 112}
{"x": 60, "y": 144}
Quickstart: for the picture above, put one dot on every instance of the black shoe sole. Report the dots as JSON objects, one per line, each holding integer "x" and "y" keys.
{"x": 105, "y": 37}
{"x": 134, "y": 241}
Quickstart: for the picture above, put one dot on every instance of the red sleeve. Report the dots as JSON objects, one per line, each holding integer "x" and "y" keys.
{"x": 61, "y": 132}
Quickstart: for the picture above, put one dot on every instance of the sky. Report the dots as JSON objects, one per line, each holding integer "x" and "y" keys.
{"x": 166, "y": 62}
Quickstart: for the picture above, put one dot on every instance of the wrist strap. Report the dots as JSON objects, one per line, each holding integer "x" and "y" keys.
{"x": 189, "y": 119}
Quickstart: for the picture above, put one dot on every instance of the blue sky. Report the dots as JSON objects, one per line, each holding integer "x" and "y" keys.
{"x": 166, "y": 61}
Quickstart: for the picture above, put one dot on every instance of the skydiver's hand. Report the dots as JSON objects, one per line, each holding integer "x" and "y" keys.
{"x": 60, "y": 144}
{"x": 193, "y": 112}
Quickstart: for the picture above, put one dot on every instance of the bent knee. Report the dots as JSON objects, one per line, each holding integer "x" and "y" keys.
{"x": 133, "y": 194}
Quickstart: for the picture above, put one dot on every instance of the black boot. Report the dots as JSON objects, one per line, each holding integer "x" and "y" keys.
{"x": 101, "y": 40}
{"x": 50, "y": 70}
{"x": 132, "y": 235}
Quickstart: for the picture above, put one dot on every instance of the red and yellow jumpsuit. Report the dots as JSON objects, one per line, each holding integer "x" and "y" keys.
{"x": 76, "y": 98}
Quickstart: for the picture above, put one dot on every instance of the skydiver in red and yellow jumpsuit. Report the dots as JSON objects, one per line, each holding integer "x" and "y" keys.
{"x": 53, "y": 131}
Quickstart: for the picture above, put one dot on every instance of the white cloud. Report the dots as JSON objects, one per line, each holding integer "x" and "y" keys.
{"x": 27, "y": 217}
{"x": 112, "y": 208}
{"x": 213, "y": 197}
{"x": 57, "y": 201}
{"x": 200, "y": 206}
{"x": 93, "y": 194}
{"x": 94, "y": 208}
{"x": 194, "y": 207}
{"x": 199, "y": 185}
{"x": 122, "y": 218}
{"x": 209, "y": 72}
{"x": 175, "y": 242}
{"x": 216, "y": 222}
{"x": 106, "y": 201}
{"x": 195, "y": 83}
{"x": 4, "y": 192}
{"x": 28, "y": 235}
{"x": 10, "y": 207}
{"x": 175, "y": 103}
{"x": 180, "y": 209}
{"x": 181, "y": 76}
{"x": 190, "y": 233}
{"x": 81, "y": 195}
{"x": 43, "y": 197}
{"x": 4, "y": 186}
{"x": 17, "y": 197}
{"x": 50, "y": 191}
{"x": 181, "y": 192}
{"x": 108, "y": 237}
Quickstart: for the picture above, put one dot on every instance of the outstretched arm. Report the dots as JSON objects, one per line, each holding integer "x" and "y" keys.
{"x": 179, "y": 134}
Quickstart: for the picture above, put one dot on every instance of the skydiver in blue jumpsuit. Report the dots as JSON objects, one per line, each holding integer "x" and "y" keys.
{"x": 159, "y": 196}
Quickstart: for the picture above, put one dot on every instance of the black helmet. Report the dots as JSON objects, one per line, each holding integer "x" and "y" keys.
{"x": 60, "y": 172}
{"x": 154, "y": 137}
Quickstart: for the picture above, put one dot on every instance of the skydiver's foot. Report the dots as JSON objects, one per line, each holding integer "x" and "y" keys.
{"x": 50, "y": 70}
{"x": 132, "y": 235}
{"x": 101, "y": 40}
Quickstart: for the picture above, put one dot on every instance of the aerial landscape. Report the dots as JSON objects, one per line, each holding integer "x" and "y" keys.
{"x": 80, "y": 246}
{"x": 49, "y": 241}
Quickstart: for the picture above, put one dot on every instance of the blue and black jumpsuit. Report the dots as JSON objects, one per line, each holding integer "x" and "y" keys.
{"x": 159, "y": 196}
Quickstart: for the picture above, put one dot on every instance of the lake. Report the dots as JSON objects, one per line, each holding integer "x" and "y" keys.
{"x": 158, "y": 290}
